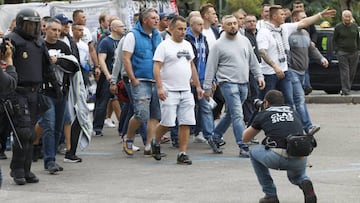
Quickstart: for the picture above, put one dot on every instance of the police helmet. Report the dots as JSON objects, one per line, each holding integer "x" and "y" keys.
{"x": 28, "y": 21}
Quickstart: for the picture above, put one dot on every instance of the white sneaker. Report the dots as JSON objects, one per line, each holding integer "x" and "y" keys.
{"x": 199, "y": 138}
{"x": 109, "y": 123}
{"x": 135, "y": 148}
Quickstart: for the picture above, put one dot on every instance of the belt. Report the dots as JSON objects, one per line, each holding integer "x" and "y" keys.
{"x": 33, "y": 88}
{"x": 283, "y": 153}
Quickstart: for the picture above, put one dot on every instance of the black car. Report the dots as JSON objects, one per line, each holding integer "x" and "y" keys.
{"x": 328, "y": 79}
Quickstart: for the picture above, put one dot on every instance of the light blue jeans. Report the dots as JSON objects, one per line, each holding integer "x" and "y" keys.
{"x": 263, "y": 159}
{"x": 234, "y": 95}
{"x": 297, "y": 81}
{"x": 146, "y": 101}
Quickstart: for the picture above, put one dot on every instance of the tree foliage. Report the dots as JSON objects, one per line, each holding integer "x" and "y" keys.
{"x": 311, "y": 6}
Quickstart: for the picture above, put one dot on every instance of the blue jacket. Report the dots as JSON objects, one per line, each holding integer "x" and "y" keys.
{"x": 201, "y": 51}
{"x": 142, "y": 57}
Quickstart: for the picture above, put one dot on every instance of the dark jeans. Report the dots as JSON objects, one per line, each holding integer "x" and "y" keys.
{"x": 102, "y": 98}
{"x": 282, "y": 84}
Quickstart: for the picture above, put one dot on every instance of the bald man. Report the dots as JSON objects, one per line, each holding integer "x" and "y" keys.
{"x": 204, "y": 118}
{"x": 106, "y": 51}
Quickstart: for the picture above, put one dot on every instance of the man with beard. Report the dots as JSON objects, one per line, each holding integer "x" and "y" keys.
{"x": 231, "y": 68}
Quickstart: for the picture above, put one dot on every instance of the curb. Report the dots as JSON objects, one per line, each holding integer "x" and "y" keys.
{"x": 332, "y": 99}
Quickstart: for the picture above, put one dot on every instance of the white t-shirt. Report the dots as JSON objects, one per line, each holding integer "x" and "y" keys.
{"x": 265, "y": 40}
{"x": 66, "y": 41}
{"x": 210, "y": 37}
{"x": 83, "y": 52}
{"x": 129, "y": 43}
{"x": 176, "y": 70}
{"x": 87, "y": 38}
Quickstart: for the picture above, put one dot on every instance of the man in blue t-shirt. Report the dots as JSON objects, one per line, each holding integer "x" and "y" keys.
{"x": 106, "y": 51}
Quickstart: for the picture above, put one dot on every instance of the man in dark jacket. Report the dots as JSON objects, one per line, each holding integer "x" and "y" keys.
{"x": 204, "y": 116}
{"x": 8, "y": 79}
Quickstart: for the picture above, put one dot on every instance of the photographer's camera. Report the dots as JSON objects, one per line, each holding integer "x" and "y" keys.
{"x": 259, "y": 104}
{"x": 3, "y": 43}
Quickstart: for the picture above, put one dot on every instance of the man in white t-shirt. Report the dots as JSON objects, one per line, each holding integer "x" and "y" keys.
{"x": 273, "y": 47}
{"x": 174, "y": 70}
{"x": 209, "y": 16}
{"x": 211, "y": 32}
{"x": 80, "y": 18}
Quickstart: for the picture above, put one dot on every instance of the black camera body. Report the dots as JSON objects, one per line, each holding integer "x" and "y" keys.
{"x": 3, "y": 45}
{"x": 259, "y": 104}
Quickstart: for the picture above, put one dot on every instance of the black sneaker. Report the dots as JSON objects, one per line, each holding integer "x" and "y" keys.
{"x": 222, "y": 143}
{"x": 183, "y": 159}
{"x": 31, "y": 178}
{"x": 244, "y": 152}
{"x": 18, "y": 180}
{"x": 308, "y": 190}
{"x": 52, "y": 167}
{"x": 60, "y": 167}
{"x": 149, "y": 154}
{"x": 269, "y": 199}
{"x": 156, "y": 152}
{"x": 71, "y": 158}
{"x": 214, "y": 147}
{"x": 313, "y": 129}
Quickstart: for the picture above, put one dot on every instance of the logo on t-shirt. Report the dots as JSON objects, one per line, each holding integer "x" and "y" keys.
{"x": 183, "y": 53}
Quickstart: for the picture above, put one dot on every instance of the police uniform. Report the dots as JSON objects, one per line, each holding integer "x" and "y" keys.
{"x": 32, "y": 65}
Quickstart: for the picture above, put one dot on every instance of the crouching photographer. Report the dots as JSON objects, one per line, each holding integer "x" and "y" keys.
{"x": 8, "y": 79}
{"x": 278, "y": 122}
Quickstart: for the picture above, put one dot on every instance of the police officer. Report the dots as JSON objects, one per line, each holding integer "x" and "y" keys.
{"x": 32, "y": 64}
{"x": 8, "y": 78}
{"x": 277, "y": 121}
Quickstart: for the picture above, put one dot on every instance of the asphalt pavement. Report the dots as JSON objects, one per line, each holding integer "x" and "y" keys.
{"x": 108, "y": 175}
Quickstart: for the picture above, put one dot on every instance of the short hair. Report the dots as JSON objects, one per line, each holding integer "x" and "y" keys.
{"x": 298, "y": 2}
{"x": 274, "y": 97}
{"x": 76, "y": 24}
{"x": 175, "y": 19}
{"x": 240, "y": 11}
{"x": 346, "y": 12}
{"x": 273, "y": 9}
{"x": 52, "y": 20}
{"x": 205, "y": 8}
{"x": 145, "y": 13}
{"x": 45, "y": 18}
{"x": 227, "y": 17}
{"x": 102, "y": 17}
{"x": 295, "y": 13}
{"x": 76, "y": 13}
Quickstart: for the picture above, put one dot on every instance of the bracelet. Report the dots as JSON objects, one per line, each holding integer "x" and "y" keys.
{"x": 319, "y": 14}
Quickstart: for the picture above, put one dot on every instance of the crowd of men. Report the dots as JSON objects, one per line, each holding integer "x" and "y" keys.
{"x": 164, "y": 75}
